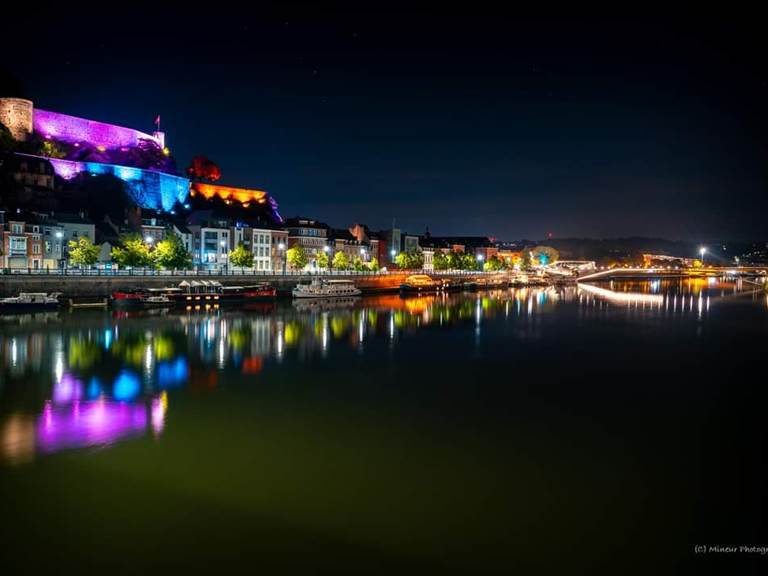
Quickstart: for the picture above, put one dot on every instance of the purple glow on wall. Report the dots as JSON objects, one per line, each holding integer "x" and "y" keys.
{"x": 84, "y": 424}
{"x": 71, "y": 129}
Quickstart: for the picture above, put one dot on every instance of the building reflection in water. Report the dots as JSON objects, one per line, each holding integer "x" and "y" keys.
{"x": 93, "y": 380}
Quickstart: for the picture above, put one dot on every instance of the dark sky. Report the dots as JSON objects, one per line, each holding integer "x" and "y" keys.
{"x": 469, "y": 123}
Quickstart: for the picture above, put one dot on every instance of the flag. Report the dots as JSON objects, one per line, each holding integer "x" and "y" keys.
{"x": 157, "y": 121}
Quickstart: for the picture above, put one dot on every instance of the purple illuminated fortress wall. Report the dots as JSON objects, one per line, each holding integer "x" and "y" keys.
{"x": 150, "y": 187}
{"x": 74, "y": 130}
{"x": 90, "y": 147}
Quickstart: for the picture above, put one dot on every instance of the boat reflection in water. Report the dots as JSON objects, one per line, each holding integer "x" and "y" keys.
{"x": 95, "y": 378}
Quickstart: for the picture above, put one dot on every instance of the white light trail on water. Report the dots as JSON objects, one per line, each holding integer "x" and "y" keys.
{"x": 623, "y": 297}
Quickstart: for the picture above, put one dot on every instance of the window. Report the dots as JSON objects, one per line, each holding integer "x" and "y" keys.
{"x": 18, "y": 245}
{"x": 35, "y": 248}
{"x": 17, "y": 228}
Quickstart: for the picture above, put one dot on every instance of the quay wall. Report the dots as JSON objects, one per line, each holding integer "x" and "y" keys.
{"x": 92, "y": 287}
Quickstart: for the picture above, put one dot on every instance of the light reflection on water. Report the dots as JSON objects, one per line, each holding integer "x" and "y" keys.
{"x": 90, "y": 380}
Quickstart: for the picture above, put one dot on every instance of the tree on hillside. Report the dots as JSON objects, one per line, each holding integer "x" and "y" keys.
{"x": 202, "y": 168}
{"x": 82, "y": 252}
{"x": 241, "y": 256}
{"x": 171, "y": 253}
{"x": 297, "y": 257}
{"x": 132, "y": 252}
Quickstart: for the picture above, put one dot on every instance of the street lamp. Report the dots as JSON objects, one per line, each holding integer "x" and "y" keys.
{"x": 281, "y": 248}
{"x": 148, "y": 239}
{"x": 223, "y": 245}
{"x": 702, "y": 251}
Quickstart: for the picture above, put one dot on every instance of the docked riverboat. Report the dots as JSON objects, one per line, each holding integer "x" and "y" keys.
{"x": 320, "y": 288}
{"x": 196, "y": 292}
{"x": 420, "y": 283}
{"x": 30, "y": 302}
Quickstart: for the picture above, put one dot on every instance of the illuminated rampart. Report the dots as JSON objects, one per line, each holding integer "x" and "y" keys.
{"x": 73, "y": 130}
{"x": 148, "y": 188}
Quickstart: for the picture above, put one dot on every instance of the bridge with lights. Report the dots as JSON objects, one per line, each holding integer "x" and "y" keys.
{"x": 647, "y": 273}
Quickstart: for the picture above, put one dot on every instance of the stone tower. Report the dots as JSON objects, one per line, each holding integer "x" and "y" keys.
{"x": 16, "y": 114}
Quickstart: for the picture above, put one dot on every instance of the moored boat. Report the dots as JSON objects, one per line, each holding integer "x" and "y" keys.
{"x": 194, "y": 293}
{"x": 30, "y": 302}
{"x": 320, "y": 288}
{"x": 421, "y": 283}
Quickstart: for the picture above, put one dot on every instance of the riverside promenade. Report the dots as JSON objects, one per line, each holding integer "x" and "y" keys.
{"x": 89, "y": 284}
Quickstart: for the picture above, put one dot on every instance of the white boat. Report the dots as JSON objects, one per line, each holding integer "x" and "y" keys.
{"x": 320, "y": 288}
{"x": 30, "y": 301}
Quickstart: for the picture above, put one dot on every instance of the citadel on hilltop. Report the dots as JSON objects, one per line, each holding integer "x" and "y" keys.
{"x": 61, "y": 172}
{"x": 77, "y": 146}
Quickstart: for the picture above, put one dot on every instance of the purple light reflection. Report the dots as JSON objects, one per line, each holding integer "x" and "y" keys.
{"x": 67, "y": 390}
{"x": 102, "y": 422}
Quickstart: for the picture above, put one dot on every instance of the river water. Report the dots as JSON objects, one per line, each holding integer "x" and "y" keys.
{"x": 520, "y": 429}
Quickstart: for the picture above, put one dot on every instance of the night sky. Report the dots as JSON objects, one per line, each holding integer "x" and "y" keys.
{"x": 469, "y": 123}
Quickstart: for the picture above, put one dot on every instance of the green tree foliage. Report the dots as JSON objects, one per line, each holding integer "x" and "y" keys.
{"x": 322, "y": 260}
{"x": 132, "y": 252}
{"x": 411, "y": 260}
{"x": 454, "y": 260}
{"x": 493, "y": 264}
{"x": 82, "y": 252}
{"x": 373, "y": 265}
{"x": 241, "y": 256}
{"x": 52, "y": 150}
{"x": 357, "y": 264}
{"x": 171, "y": 253}
{"x": 340, "y": 261}
{"x": 297, "y": 257}
{"x": 440, "y": 260}
{"x": 469, "y": 262}
{"x": 543, "y": 255}
{"x": 525, "y": 259}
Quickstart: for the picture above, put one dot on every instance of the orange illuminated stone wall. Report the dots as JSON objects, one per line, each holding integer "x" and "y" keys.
{"x": 244, "y": 196}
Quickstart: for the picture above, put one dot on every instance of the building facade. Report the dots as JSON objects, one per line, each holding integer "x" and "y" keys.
{"x": 308, "y": 233}
{"x": 21, "y": 241}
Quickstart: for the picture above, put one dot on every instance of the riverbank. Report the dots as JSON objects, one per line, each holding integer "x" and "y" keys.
{"x": 96, "y": 287}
